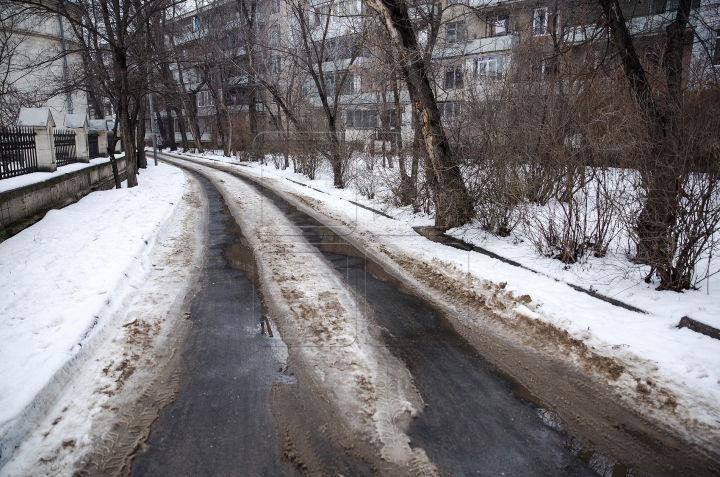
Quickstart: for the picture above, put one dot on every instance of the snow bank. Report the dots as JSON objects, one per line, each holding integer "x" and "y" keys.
{"x": 61, "y": 282}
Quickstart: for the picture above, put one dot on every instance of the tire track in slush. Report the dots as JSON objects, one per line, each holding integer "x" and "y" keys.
{"x": 475, "y": 422}
{"x": 220, "y": 422}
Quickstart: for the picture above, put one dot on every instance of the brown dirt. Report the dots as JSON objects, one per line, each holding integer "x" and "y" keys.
{"x": 313, "y": 427}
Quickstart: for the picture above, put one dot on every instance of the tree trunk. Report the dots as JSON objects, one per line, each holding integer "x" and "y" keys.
{"x": 124, "y": 120}
{"x": 453, "y": 206}
{"x": 188, "y": 101}
{"x": 253, "y": 123}
{"x": 398, "y": 115}
{"x": 183, "y": 131}
{"x": 662, "y": 172}
{"x": 195, "y": 127}
{"x": 286, "y": 142}
{"x": 161, "y": 126}
{"x": 335, "y": 153}
{"x": 170, "y": 129}
{"x": 140, "y": 138}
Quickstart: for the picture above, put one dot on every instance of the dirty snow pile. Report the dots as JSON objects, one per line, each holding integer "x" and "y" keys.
{"x": 61, "y": 282}
{"x": 684, "y": 364}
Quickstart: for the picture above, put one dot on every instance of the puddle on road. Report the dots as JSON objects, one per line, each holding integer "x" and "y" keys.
{"x": 478, "y": 420}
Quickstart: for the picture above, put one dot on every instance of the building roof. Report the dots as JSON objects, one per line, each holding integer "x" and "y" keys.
{"x": 35, "y": 117}
{"x": 75, "y": 120}
{"x": 97, "y": 125}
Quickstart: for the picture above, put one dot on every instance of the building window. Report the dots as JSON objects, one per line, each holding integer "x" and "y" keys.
{"x": 204, "y": 98}
{"x": 662, "y": 6}
{"x": 196, "y": 25}
{"x": 238, "y": 95}
{"x": 449, "y": 111}
{"x": 181, "y": 122}
{"x": 652, "y": 57}
{"x": 544, "y": 22}
{"x": 454, "y": 78}
{"x": 321, "y": 14}
{"x": 488, "y": 67}
{"x": 497, "y": 25}
{"x": 275, "y": 64}
{"x": 340, "y": 48}
{"x": 345, "y": 8}
{"x": 455, "y": 32}
{"x": 362, "y": 119}
{"x": 716, "y": 52}
{"x": 545, "y": 68}
{"x": 388, "y": 119}
{"x": 332, "y": 81}
{"x": 274, "y": 6}
{"x": 275, "y": 35}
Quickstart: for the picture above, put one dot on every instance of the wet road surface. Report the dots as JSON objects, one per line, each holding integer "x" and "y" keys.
{"x": 478, "y": 421}
{"x": 475, "y": 424}
{"x": 220, "y": 423}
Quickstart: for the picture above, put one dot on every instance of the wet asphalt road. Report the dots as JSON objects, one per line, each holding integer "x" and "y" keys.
{"x": 474, "y": 425}
{"x": 220, "y": 423}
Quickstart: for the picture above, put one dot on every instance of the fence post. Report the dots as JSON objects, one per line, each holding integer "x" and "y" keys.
{"x": 41, "y": 120}
{"x": 79, "y": 124}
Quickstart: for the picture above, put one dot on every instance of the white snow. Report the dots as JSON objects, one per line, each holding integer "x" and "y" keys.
{"x": 36, "y": 177}
{"x": 61, "y": 280}
{"x": 130, "y": 360}
{"x": 686, "y": 363}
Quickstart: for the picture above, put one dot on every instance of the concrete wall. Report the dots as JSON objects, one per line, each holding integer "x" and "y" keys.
{"x": 20, "y": 208}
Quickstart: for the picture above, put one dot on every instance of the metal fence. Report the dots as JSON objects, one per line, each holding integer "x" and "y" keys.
{"x": 64, "y": 147}
{"x": 17, "y": 152}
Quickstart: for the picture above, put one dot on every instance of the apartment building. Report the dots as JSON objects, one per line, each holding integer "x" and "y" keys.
{"x": 266, "y": 58}
{"x": 35, "y": 71}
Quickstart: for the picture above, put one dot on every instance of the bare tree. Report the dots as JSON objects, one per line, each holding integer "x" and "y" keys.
{"x": 26, "y": 74}
{"x": 113, "y": 36}
{"x": 666, "y": 167}
{"x": 453, "y": 206}
{"x": 328, "y": 60}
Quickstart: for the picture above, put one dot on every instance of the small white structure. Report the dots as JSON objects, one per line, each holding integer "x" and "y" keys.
{"x": 99, "y": 127}
{"x": 79, "y": 124}
{"x": 41, "y": 120}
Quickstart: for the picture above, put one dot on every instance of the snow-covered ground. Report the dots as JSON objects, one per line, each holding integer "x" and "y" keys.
{"x": 63, "y": 280}
{"x": 35, "y": 177}
{"x": 672, "y": 374}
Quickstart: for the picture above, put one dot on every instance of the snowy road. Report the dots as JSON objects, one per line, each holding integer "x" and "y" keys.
{"x": 273, "y": 338}
{"x": 383, "y": 380}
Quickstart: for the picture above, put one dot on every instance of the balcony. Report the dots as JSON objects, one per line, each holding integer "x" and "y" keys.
{"x": 475, "y": 47}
